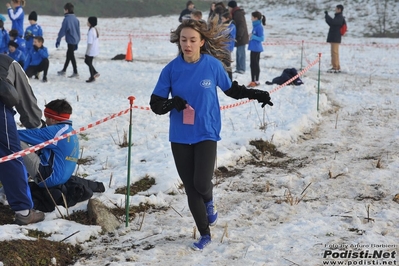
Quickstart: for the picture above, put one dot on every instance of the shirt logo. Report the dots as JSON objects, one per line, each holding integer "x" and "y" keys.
{"x": 206, "y": 83}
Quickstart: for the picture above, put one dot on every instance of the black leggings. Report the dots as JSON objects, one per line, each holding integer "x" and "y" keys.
{"x": 195, "y": 164}
{"x": 255, "y": 68}
{"x": 70, "y": 56}
{"x": 34, "y": 70}
{"x": 89, "y": 62}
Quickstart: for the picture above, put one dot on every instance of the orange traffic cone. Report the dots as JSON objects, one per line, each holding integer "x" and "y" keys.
{"x": 129, "y": 52}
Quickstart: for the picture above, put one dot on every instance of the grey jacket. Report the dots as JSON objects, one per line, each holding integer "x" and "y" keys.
{"x": 70, "y": 28}
{"x": 30, "y": 113}
{"x": 334, "y": 33}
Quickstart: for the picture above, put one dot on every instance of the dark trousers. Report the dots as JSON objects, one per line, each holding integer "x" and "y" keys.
{"x": 89, "y": 62}
{"x": 255, "y": 68}
{"x": 34, "y": 70}
{"x": 195, "y": 164}
{"x": 70, "y": 56}
{"x": 13, "y": 174}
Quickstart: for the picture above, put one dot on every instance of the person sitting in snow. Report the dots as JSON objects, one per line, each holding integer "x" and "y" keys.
{"x": 52, "y": 168}
{"x": 55, "y": 163}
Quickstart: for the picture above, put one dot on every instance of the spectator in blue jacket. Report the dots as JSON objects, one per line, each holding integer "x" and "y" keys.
{"x": 4, "y": 39}
{"x": 56, "y": 162}
{"x": 255, "y": 46}
{"x": 70, "y": 28}
{"x": 32, "y": 31}
{"x": 37, "y": 59}
{"x": 16, "y": 54}
{"x": 21, "y": 42}
{"x": 16, "y": 15}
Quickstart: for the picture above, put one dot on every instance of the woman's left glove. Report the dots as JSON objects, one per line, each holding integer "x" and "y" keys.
{"x": 261, "y": 96}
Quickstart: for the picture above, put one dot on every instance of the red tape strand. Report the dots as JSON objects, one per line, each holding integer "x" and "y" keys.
{"x": 48, "y": 142}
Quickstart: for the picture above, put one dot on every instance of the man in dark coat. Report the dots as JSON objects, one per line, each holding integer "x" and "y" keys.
{"x": 186, "y": 12}
{"x": 334, "y": 36}
{"x": 242, "y": 37}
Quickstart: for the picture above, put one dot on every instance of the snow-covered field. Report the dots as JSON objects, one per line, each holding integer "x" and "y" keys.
{"x": 333, "y": 153}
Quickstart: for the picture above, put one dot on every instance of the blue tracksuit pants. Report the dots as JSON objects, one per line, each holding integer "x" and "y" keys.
{"x": 13, "y": 174}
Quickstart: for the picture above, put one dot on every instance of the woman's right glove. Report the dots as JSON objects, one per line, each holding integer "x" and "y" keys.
{"x": 176, "y": 102}
{"x": 160, "y": 105}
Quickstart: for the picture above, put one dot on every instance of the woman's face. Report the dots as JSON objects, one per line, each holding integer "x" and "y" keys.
{"x": 190, "y": 43}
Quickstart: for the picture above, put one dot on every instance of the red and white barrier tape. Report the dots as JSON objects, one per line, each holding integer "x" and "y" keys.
{"x": 46, "y": 143}
{"x": 74, "y": 132}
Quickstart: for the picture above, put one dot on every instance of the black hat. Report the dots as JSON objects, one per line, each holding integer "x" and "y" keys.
{"x": 32, "y": 16}
{"x": 93, "y": 21}
{"x": 232, "y": 4}
{"x": 12, "y": 43}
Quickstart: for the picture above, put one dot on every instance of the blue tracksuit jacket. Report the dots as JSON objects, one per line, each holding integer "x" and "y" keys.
{"x": 58, "y": 160}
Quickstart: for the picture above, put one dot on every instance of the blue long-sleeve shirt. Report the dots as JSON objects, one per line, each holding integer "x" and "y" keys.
{"x": 257, "y": 37}
{"x": 4, "y": 39}
{"x": 17, "y": 17}
{"x": 21, "y": 44}
{"x": 34, "y": 57}
{"x": 232, "y": 36}
{"x": 17, "y": 55}
{"x": 31, "y": 32}
{"x": 70, "y": 28}
{"x": 57, "y": 160}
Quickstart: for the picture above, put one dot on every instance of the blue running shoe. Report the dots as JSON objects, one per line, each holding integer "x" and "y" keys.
{"x": 202, "y": 242}
{"x": 211, "y": 212}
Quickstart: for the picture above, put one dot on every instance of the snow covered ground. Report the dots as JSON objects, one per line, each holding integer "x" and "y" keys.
{"x": 332, "y": 154}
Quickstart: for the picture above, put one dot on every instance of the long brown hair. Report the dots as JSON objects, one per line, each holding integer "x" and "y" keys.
{"x": 213, "y": 33}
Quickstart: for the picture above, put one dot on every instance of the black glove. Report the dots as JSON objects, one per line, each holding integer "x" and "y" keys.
{"x": 176, "y": 102}
{"x": 28, "y": 35}
{"x": 325, "y": 12}
{"x": 262, "y": 97}
{"x": 35, "y": 47}
{"x": 179, "y": 103}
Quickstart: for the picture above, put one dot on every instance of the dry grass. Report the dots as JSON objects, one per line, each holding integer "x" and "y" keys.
{"x": 142, "y": 185}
